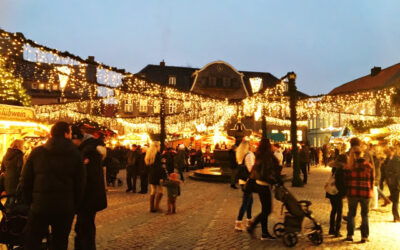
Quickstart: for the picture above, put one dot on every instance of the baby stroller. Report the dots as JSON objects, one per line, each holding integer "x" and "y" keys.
{"x": 298, "y": 219}
{"x": 12, "y": 224}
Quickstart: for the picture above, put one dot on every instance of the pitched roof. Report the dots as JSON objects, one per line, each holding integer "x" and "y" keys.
{"x": 184, "y": 77}
{"x": 385, "y": 78}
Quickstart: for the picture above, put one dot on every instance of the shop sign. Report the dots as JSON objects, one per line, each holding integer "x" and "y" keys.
{"x": 8, "y": 112}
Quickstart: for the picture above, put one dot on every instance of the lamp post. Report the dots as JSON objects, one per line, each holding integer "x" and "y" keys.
{"x": 296, "y": 182}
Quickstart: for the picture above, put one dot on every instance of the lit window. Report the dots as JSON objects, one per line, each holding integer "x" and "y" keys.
{"x": 256, "y": 84}
{"x": 172, "y": 80}
{"x": 143, "y": 106}
{"x": 48, "y": 86}
{"x": 55, "y": 86}
{"x": 41, "y": 85}
{"x": 299, "y": 135}
{"x": 172, "y": 107}
{"x": 275, "y": 131}
{"x": 128, "y": 106}
{"x": 34, "y": 85}
{"x": 156, "y": 108}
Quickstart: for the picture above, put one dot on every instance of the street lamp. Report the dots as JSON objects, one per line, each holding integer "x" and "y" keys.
{"x": 296, "y": 182}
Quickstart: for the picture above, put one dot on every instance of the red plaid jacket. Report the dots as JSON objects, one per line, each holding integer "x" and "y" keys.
{"x": 360, "y": 180}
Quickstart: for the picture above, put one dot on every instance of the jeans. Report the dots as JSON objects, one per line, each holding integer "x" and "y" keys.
{"x": 247, "y": 203}
{"x": 336, "y": 214}
{"x": 180, "y": 171}
{"x": 264, "y": 194}
{"x": 303, "y": 168}
{"x": 38, "y": 225}
{"x": 353, "y": 203}
{"x": 85, "y": 230}
{"x": 394, "y": 195}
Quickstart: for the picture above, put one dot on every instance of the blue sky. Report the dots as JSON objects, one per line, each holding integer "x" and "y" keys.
{"x": 327, "y": 43}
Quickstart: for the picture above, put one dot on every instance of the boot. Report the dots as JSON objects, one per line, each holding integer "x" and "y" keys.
{"x": 152, "y": 196}
{"x": 158, "y": 199}
{"x": 239, "y": 226}
{"x": 248, "y": 222}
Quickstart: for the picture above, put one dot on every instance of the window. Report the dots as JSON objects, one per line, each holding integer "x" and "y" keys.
{"x": 156, "y": 108}
{"x": 172, "y": 107}
{"x": 48, "y": 86}
{"x": 55, "y": 86}
{"x": 212, "y": 81}
{"x": 299, "y": 135}
{"x": 34, "y": 85}
{"x": 41, "y": 85}
{"x": 128, "y": 106}
{"x": 256, "y": 84}
{"x": 226, "y": 82}
{"x": 143, "y": 106}
{"x": 275, "y": 131}
{"x": 172, "y": 80}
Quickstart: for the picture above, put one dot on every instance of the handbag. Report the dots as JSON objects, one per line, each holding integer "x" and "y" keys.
{"x": 330, "y": 186}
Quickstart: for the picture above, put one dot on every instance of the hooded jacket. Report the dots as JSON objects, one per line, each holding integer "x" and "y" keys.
{"x": 93, "y": 153}
{"x": 12, "y": 166}
{"x": 53, "y": 178}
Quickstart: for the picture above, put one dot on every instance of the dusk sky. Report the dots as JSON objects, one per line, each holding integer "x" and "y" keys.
{"x": 327, "y": 43}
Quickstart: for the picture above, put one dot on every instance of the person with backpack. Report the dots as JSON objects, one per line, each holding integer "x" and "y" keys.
{"x": 336, "y": 194}
{"x": 245, "y": 160}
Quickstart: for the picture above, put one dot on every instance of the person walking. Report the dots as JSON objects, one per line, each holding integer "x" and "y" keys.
{"x": 180, "y": 161}
{"x": 266, "y": 172}
{"x": 94, "y": 198}
{"x": 393, "y": 181}
{"x": 304, "y": 160}
{"x": 336, "y": 200}
{"x": 132, "y": 168}
{"x": 11, "y": 167}
{"x": 156, "y": 174}
{"x": 359, "y": 185}
{"x": 245, "y": 160}
{"x": 142, "y": 169}
{"x": 52, "y": 184}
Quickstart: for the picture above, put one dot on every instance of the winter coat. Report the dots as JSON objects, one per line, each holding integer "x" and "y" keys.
{"x": 392, "y": 173}
{"x": 360, "y": 180}
{"x": 180, "y": 159}
{"x": 94, "y": 198}
{"x": 232, "y": 159}
{"x": 169, "y": 160}
{"x": 142, "y": 169}
{"x": 11, "y": 167}
{"x": 340, "y": 182}
{"x": 266, "y": 169}
{"x": 53, "y": 178}
{"x": 132, "y": 160}
{"x": 156, "y": 172}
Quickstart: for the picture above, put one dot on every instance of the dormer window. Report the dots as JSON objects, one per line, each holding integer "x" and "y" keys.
{"x": 226, "y": 81}
{"x": 172, "y": 80}
{"x": 212, "y": 81}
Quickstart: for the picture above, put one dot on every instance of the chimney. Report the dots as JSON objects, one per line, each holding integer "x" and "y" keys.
{"x": 91, "y": 70}
{"x": 162, "y": 63}
{"x": 375, "y": 71}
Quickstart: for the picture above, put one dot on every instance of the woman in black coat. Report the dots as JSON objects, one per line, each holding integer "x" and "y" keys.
{"x": 11, "y": 166}
{"x": 337, "y": 199}
{"x": 156, "y": 174}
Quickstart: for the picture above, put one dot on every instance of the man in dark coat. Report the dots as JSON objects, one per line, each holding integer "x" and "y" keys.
{"x": 144, "y": 180}
{"x": 132, "y": 168}
{"x": 52, "y": 183}
{"x": 393, "y": 181}
{"x": 94, "y": 199}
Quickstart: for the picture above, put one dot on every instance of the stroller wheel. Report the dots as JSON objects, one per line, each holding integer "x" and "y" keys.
{"x": 279, "y": 229}
{"x": 290, "y": 239}
{"x": 316, "y": 238}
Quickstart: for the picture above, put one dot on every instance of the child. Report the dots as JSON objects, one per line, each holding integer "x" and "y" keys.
{"x": 173, "y": 190}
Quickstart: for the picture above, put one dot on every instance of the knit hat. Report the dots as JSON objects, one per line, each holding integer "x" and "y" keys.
{"x": 76, "y": 132}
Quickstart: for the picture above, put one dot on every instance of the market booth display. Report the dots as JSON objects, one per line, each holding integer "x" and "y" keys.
{"x": 19, "y": 123}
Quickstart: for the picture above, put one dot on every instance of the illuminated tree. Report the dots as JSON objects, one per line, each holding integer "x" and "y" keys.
{"x": 11, "y": 89}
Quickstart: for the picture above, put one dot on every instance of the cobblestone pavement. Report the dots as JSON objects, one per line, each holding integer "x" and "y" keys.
{"x": 205, "y": 218}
